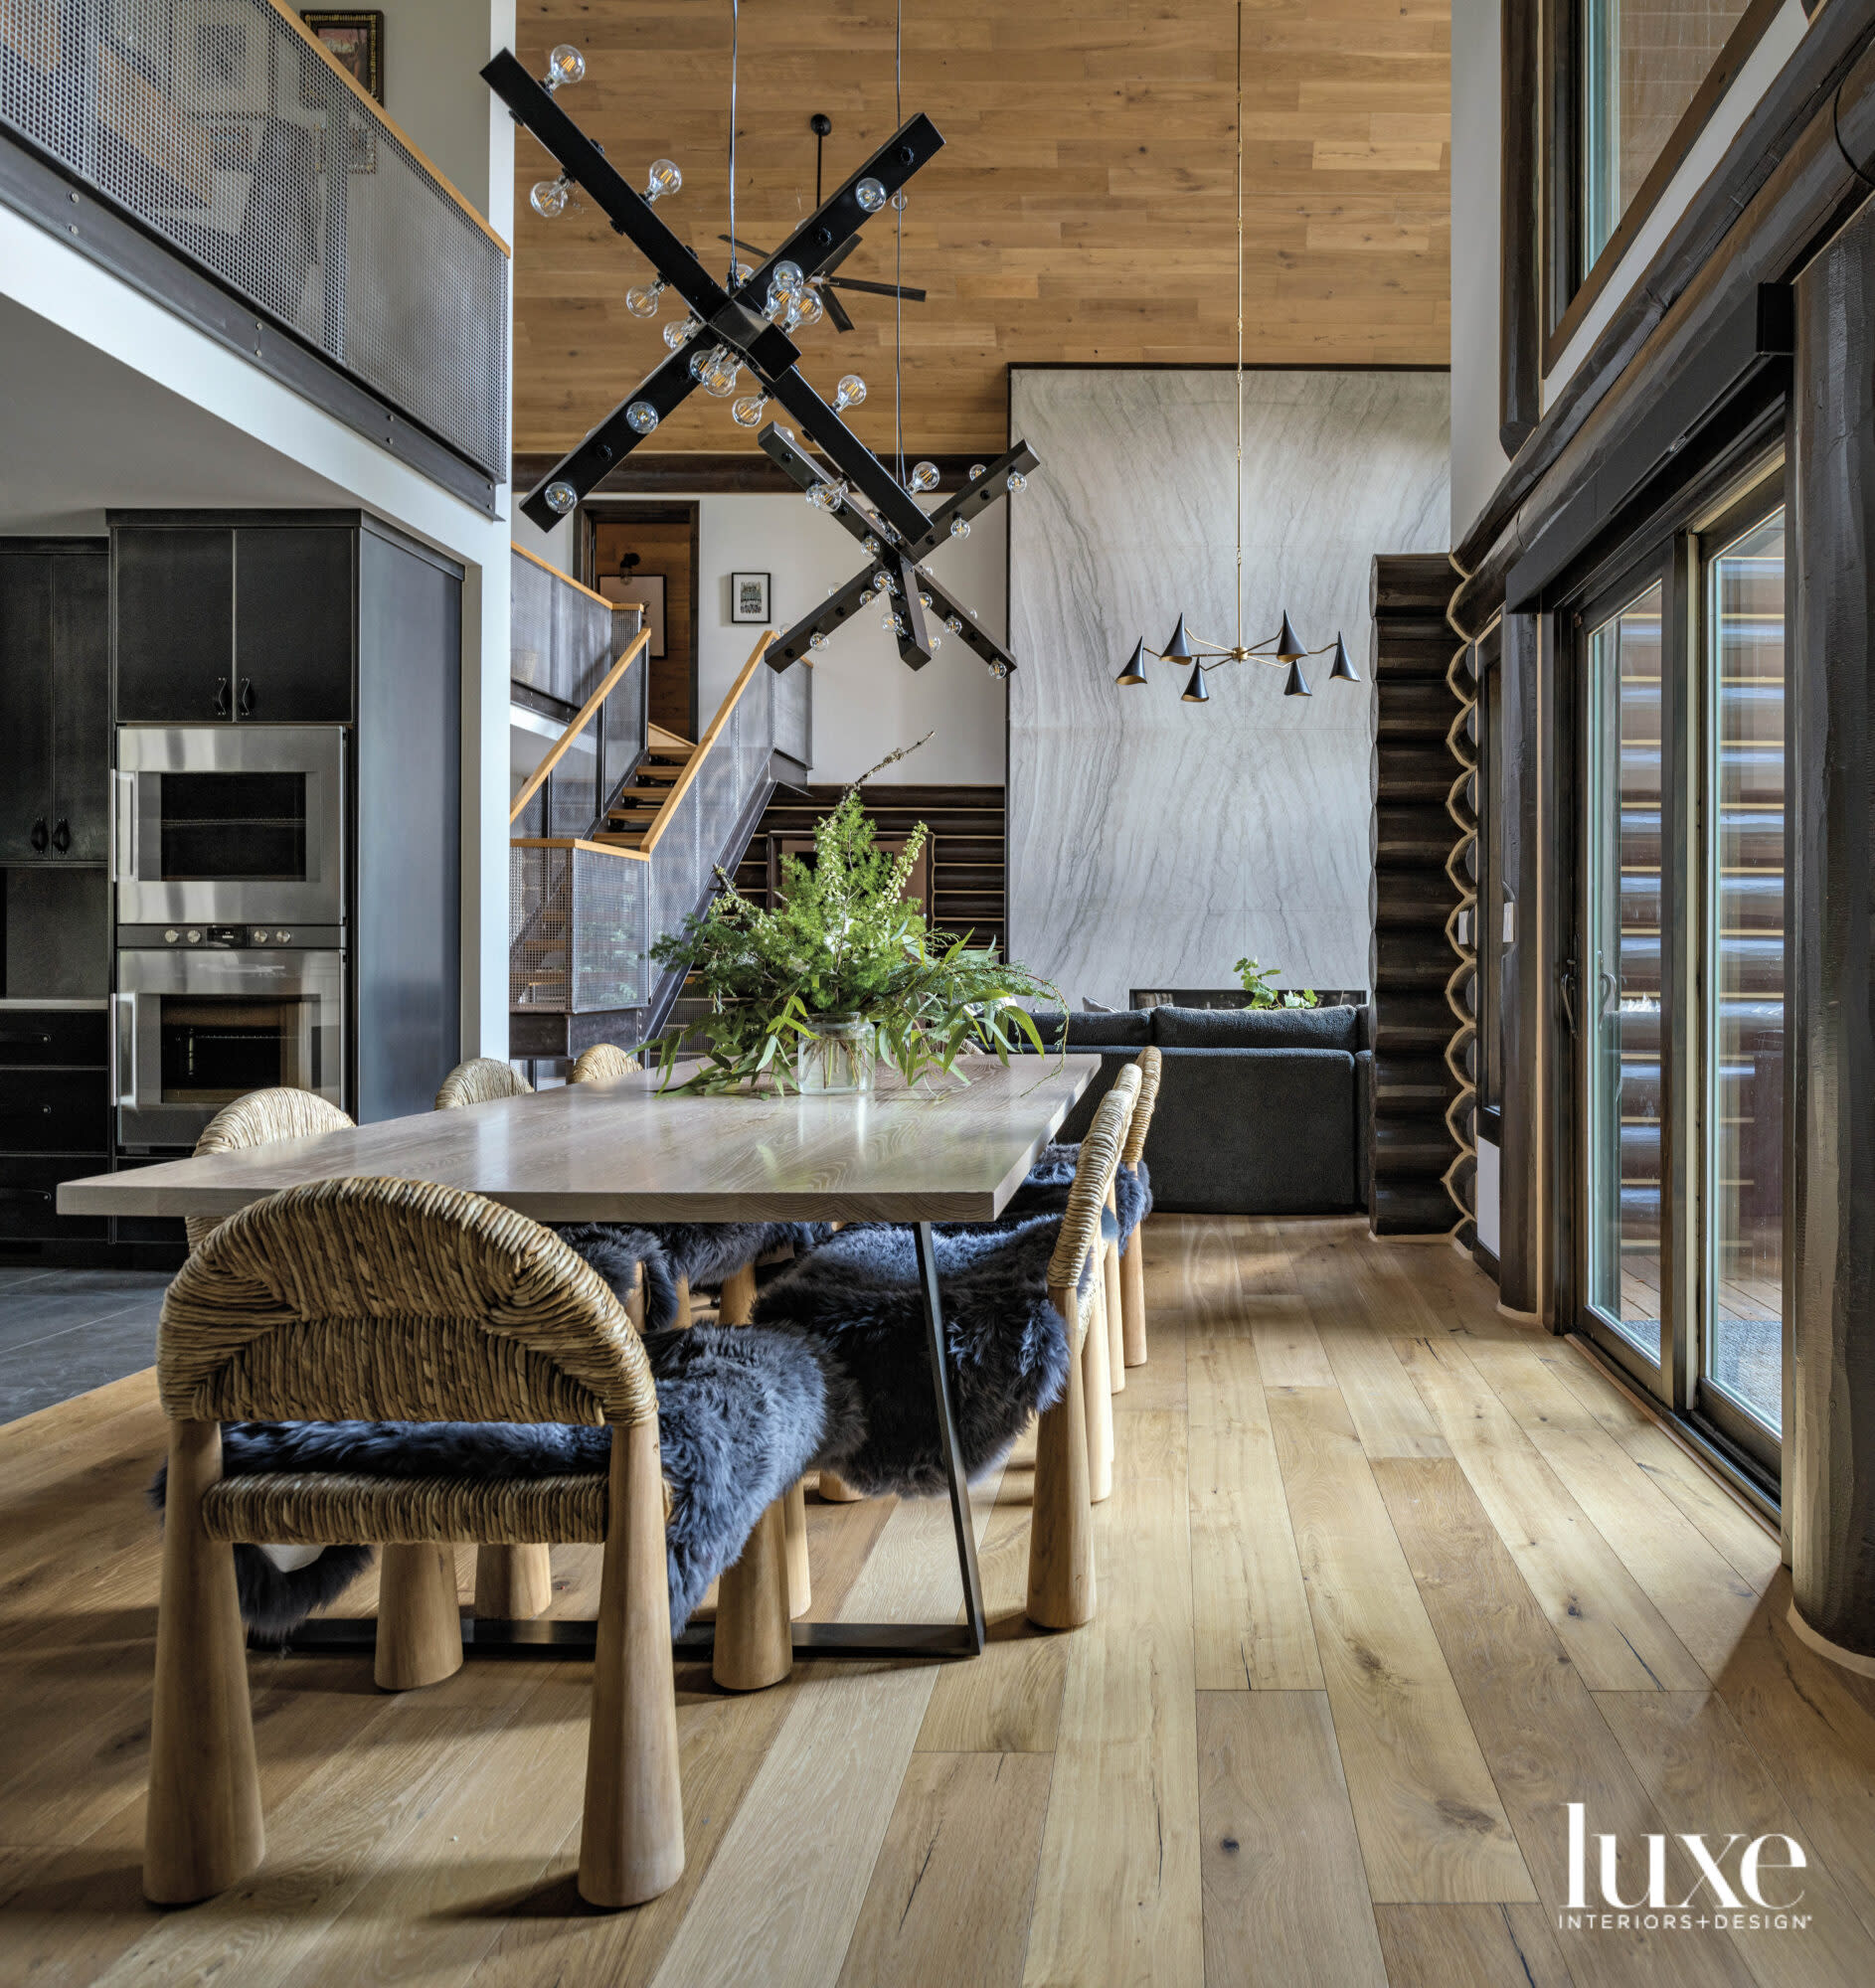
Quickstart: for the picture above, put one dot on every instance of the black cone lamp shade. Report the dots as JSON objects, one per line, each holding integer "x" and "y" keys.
{"x": 1297, "y": 685}
{"x": 1178, "y": 649}
{"x": 1343, "y": 670}
{"x": 1136, "y": 670}
{"x": 1195, "y": 691}
{"x": 1290, "y": 644}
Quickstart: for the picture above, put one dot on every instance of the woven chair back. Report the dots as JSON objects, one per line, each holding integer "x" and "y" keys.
{"x": 1150, "y": 1060}
{"x": 602, "y": 1062}
{"x": 259, "y": 1119}
{"x": 394, "y": 1300}
{"x": 480, "y": 1082}
{"x": 1093, "y": 1174}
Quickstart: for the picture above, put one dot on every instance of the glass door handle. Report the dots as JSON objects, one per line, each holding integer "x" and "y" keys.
{"x": 1566, "y": 988}
{"x": 126, "y": 1047}
{"x": 1611, "y": 991}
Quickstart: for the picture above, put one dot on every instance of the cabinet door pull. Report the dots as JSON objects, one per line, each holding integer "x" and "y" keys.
{"x": 38, "y": 836}
{"x": 11, "y": 1036}
{"x": 62, "y": 835}
{"x": 39, "y": 1194}
{"x": 244, "y": 704}
{"x": 220, "y": 697}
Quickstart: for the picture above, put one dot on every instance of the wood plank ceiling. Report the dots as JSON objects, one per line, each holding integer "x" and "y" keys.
{"x": 1079, "y": 211}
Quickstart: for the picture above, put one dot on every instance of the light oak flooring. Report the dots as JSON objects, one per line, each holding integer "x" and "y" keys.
{"x": 1386, "y": 1580}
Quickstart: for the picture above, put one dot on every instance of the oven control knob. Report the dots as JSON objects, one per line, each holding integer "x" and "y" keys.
{"x": 259, "y": 936}
{"x": 170, "y": 937}
{"x": 282, "y": 936}
{"x": 195, "y": 937}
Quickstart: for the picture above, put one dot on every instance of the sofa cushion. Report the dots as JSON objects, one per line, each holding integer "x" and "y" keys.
{"x": 1121, "y": 1027}
{"x": 1255, "y": 1028}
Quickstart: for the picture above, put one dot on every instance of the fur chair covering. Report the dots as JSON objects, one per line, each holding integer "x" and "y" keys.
{"x": 1044, "y": 1191}
{"x": 858, "y": 1296}
{"x": 703, "y": 1252}
{"x": 740, "y": 1414}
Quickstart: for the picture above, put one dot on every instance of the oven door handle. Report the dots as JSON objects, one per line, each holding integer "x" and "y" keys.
{"x": 127, "y": 1048}
{"x": 124, "y": 841}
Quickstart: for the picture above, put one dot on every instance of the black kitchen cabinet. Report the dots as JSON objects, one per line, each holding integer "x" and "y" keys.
{"x": 227, "y": 619}
{"x": 55, "y": 1117}
{"x": 55, "y": 741}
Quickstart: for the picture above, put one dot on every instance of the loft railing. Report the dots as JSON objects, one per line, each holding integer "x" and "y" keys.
{"x": 587, "y": 912}
{"x": 226, "y": 129}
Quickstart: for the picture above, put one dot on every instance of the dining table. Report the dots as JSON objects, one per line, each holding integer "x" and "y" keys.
{"x": 638, "y": 1149}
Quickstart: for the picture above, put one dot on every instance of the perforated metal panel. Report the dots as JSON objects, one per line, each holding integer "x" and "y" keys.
{"x": 217, "y": 125}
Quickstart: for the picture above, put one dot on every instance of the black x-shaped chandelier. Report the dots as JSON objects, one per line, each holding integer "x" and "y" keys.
{"x": 729, "y": 329}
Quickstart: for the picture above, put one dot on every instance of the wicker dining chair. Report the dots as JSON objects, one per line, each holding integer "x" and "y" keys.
{"x": 602, "y": 1064}
{"x": 481, "y": 1081}
{"x": 1130, "y": 1261}
{"x": 259, "y": 1119}
{"x": 513, "y": 1583}
{"x": 1061, "y": 1531}
{"x": 400, "y": 1300}
{"x": 1098, "y": 1354}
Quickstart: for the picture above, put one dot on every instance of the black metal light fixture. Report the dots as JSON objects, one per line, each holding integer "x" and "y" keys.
{"x": 1285, "y": 649}
{"x": 747, "y": 325}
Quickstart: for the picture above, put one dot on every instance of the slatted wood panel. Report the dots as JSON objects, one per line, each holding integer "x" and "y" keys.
{"x": 1412, "y": 837}
{"x": 1373, "y": 1793}
{"x": 967, "y": 845}
{"x": 1080, "y": 210}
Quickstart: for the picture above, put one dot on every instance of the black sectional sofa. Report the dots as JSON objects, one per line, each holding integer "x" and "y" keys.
{"x": 1262, "y": 1111}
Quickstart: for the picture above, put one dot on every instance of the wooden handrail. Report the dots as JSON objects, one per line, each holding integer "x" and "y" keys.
{"x": 390, "y": 124}
{"x": 533, "y": 559}
{"x": 665, "y": 814}
{"x": 577, "y": 842}
{"x": 581, "y": 720}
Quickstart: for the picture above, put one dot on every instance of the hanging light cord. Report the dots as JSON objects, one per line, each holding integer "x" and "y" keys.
{"x": 1240, "y": 324}
{"x": 898, "y": 271}
{"x": 735, "y": 39}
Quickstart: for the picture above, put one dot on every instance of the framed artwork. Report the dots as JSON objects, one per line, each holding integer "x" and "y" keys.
{"x": 749, "y": 598}
{"x": 225, "y": 58}
{"x": 355, "y": 40}
{"x": 641, "y": 589}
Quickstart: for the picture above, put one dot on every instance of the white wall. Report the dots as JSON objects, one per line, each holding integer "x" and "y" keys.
{"x": 433, "y": 51}
{"x": 1478, "y": 457}
{"x": 866, "y": 701}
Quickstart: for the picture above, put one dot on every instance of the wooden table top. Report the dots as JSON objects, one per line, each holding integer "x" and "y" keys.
{"x": 619, "y": 1152}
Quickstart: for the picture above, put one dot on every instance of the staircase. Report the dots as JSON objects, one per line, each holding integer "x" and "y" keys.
{"x": 634, "y": 808}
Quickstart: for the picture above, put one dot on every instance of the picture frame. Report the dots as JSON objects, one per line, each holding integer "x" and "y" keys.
{"x": 354, "y": 38}
{"x": 748, "y": 599}
{"x": 641, "y": 589}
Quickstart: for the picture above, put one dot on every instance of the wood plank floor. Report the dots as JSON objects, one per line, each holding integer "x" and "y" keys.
{"x": 1386, "y": 1582}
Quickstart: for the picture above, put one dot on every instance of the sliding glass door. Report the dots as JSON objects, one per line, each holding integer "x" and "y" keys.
{"x": 1675, "y": 996}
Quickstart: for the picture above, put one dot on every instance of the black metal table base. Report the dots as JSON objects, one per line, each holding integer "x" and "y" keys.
{"x": 864, "y": 1642}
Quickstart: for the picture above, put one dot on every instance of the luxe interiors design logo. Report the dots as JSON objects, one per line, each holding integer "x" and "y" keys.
{"x": 1737, "y": 1883}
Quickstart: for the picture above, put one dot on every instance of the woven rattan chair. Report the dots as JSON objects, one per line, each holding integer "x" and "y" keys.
{"x": 1098, "y": 1355}
{"x": 1061, "y": 1533}
{"x": 259, "y": 1119}
{"x": 602, "y": 1064}
{"x": 513, "y": 1583}
{"x": 481, "y": 1081}
{"x": 397, "y": 1300}
{"x": 1130, "y": 1261}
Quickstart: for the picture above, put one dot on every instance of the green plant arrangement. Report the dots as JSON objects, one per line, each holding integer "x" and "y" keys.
{"x": 843, "y": 962}
{"x": 1260, "y": 984}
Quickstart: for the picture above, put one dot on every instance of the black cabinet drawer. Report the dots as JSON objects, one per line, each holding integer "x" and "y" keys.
{"x": 54, "y": 1036}
{"x": 29, "y": 1201}
{"x": 54, "y": 1112}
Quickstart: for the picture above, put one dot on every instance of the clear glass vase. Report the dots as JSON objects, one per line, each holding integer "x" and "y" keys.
{"x": 840, "y": 1057}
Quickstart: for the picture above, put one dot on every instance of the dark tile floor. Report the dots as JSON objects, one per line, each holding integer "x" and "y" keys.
{"x": 64, "y": 1331}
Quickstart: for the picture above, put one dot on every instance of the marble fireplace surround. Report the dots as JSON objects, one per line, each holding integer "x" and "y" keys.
{"x": 1152, "y": 843}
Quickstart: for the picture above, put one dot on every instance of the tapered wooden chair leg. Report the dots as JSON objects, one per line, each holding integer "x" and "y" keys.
{"x": 1060, "y": 1525}
{"x": 1132, "y": 1301}
{"x": 738, "y": 1304}
{"x": 1116, "y": 1340}
{"x": 203, "y": 1830}
{"x": 754, "y": 1647}
{"x": 419, "y": 1621}
{"x": 835, "y": 1490}
{"x": 800, "y": 1581}
{"x": 682, "y": 1301}
{"x": 631, "y": 1845}
{"x": 513, "y": 1583}
{"x": 1100, "y": 1402}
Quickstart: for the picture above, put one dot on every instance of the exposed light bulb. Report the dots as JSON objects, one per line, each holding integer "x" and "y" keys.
{"x": 748, "y": 410}
{"x": 664, "y": 178}
{"x": 703, "y": 362}
{"x": 807, "y": 309}
{"x": 976, "y": 470}
{"x": 641, "y": 417}
{"x": 565, "y": 65}
{"x": 741, "y": 273}
{"x": 888, "y": 621}
{"x": 999, "y": 669}
{"x": 816, "y": 641}
{"x": 924, "y": 477}
{"x": 676, "y": 334}
{"x": 561, "y": 498}
{"x": 870, "y": 546}
{"x": 960, "y": 528}
{"x": 923, "y": 599}
{"x": 870, "y": 194}
{"x": 850, "y": 391}
{"x": 548, "y": 198}
{"x": 933, "y": 641}
{"x": 953, "y": 624}
{"x": 1015, "y": 484}
{"x": 641, "y": 302}
{"x": 786, "y": 280}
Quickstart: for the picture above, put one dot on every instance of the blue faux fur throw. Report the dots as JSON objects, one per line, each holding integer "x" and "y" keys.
{"x": 858, "y": 1296}
{"x": 703, "y": 1252}
{"x": 741, "y": 1416}
{"x": 1044, "y": 1191}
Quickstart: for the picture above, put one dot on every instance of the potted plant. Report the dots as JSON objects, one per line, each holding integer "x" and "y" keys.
{"x": 844, "y": 970}
{"x": 1260, "y": 984}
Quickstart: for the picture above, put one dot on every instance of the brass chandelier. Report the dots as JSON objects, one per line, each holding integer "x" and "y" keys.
{"x": 1285, "y": 649}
